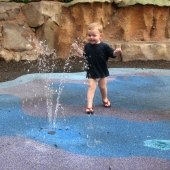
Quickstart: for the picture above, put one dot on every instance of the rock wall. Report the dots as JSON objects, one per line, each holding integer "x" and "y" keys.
{"x": 142, "y": 31}
{"x": 124, "y": 3}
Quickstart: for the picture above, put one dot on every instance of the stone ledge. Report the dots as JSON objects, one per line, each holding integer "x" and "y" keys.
{"x": 143, "y": 50}
{"x": 123, "y": 3}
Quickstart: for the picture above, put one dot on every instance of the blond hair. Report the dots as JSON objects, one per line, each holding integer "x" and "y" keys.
{"x": 95, "y": 25}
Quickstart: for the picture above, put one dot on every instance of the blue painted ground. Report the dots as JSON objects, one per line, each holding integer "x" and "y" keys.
{"x": 99, "y": 135}
{"x": 130, "y": 93}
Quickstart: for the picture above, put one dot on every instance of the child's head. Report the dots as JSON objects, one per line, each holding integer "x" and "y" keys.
{"x": 96, "y": 25}
{"x": 94, "y": 33}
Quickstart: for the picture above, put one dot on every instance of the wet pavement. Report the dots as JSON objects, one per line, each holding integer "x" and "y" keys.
{"x": 43, "y": 124}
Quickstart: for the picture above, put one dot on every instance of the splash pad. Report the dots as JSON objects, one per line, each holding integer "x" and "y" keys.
{"x": 44, "y": 113}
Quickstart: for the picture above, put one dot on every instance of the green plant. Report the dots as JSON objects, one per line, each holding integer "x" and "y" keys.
{"x": 66, "y": 0}
{"x": 24, "y": 1}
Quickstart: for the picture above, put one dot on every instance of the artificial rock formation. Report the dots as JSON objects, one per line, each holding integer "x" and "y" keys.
{"x": 124, "y": 3}
{"x": 142, "y": 31}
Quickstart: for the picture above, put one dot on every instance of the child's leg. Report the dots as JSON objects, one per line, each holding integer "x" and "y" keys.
{"x": 103, "y": 90}
{"x": 90, "y": 92}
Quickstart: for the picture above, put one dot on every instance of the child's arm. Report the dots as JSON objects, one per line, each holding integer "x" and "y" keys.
{"x": 117, "y": 51}
{"x": 77, "y": 49}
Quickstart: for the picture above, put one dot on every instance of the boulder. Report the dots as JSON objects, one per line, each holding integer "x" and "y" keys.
{"x": 37, "y": 13}
{"x": 16, "y": 38}
{"x": 9, "y": 11}
{"x": 33, "y": 16}
{"x": 6, "y": 55}
{"x": 48, "y": 33}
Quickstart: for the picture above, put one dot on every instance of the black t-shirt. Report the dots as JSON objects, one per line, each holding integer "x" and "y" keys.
{"x": 97, "y": 56}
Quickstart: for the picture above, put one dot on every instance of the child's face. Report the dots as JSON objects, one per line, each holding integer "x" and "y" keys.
{"x": 94, "y": 36}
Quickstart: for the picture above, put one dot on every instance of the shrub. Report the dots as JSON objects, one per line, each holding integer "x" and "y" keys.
{"x": 66, "y": 0}
{"x": 24, "y": 1}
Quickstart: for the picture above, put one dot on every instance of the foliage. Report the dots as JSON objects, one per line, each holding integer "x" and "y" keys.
{"x": 66, "y": 0}
{"x": 24, "y": 1}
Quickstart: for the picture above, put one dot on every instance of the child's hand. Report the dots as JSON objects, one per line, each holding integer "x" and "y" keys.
{"x": 117, "y": 51}
{"x": 74, "y": 46}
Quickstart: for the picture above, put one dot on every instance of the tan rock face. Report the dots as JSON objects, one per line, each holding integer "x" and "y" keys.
{"x": 142, "y": 31}
{"x": 123, "y": 3}
{"x": 134, "y": 23}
